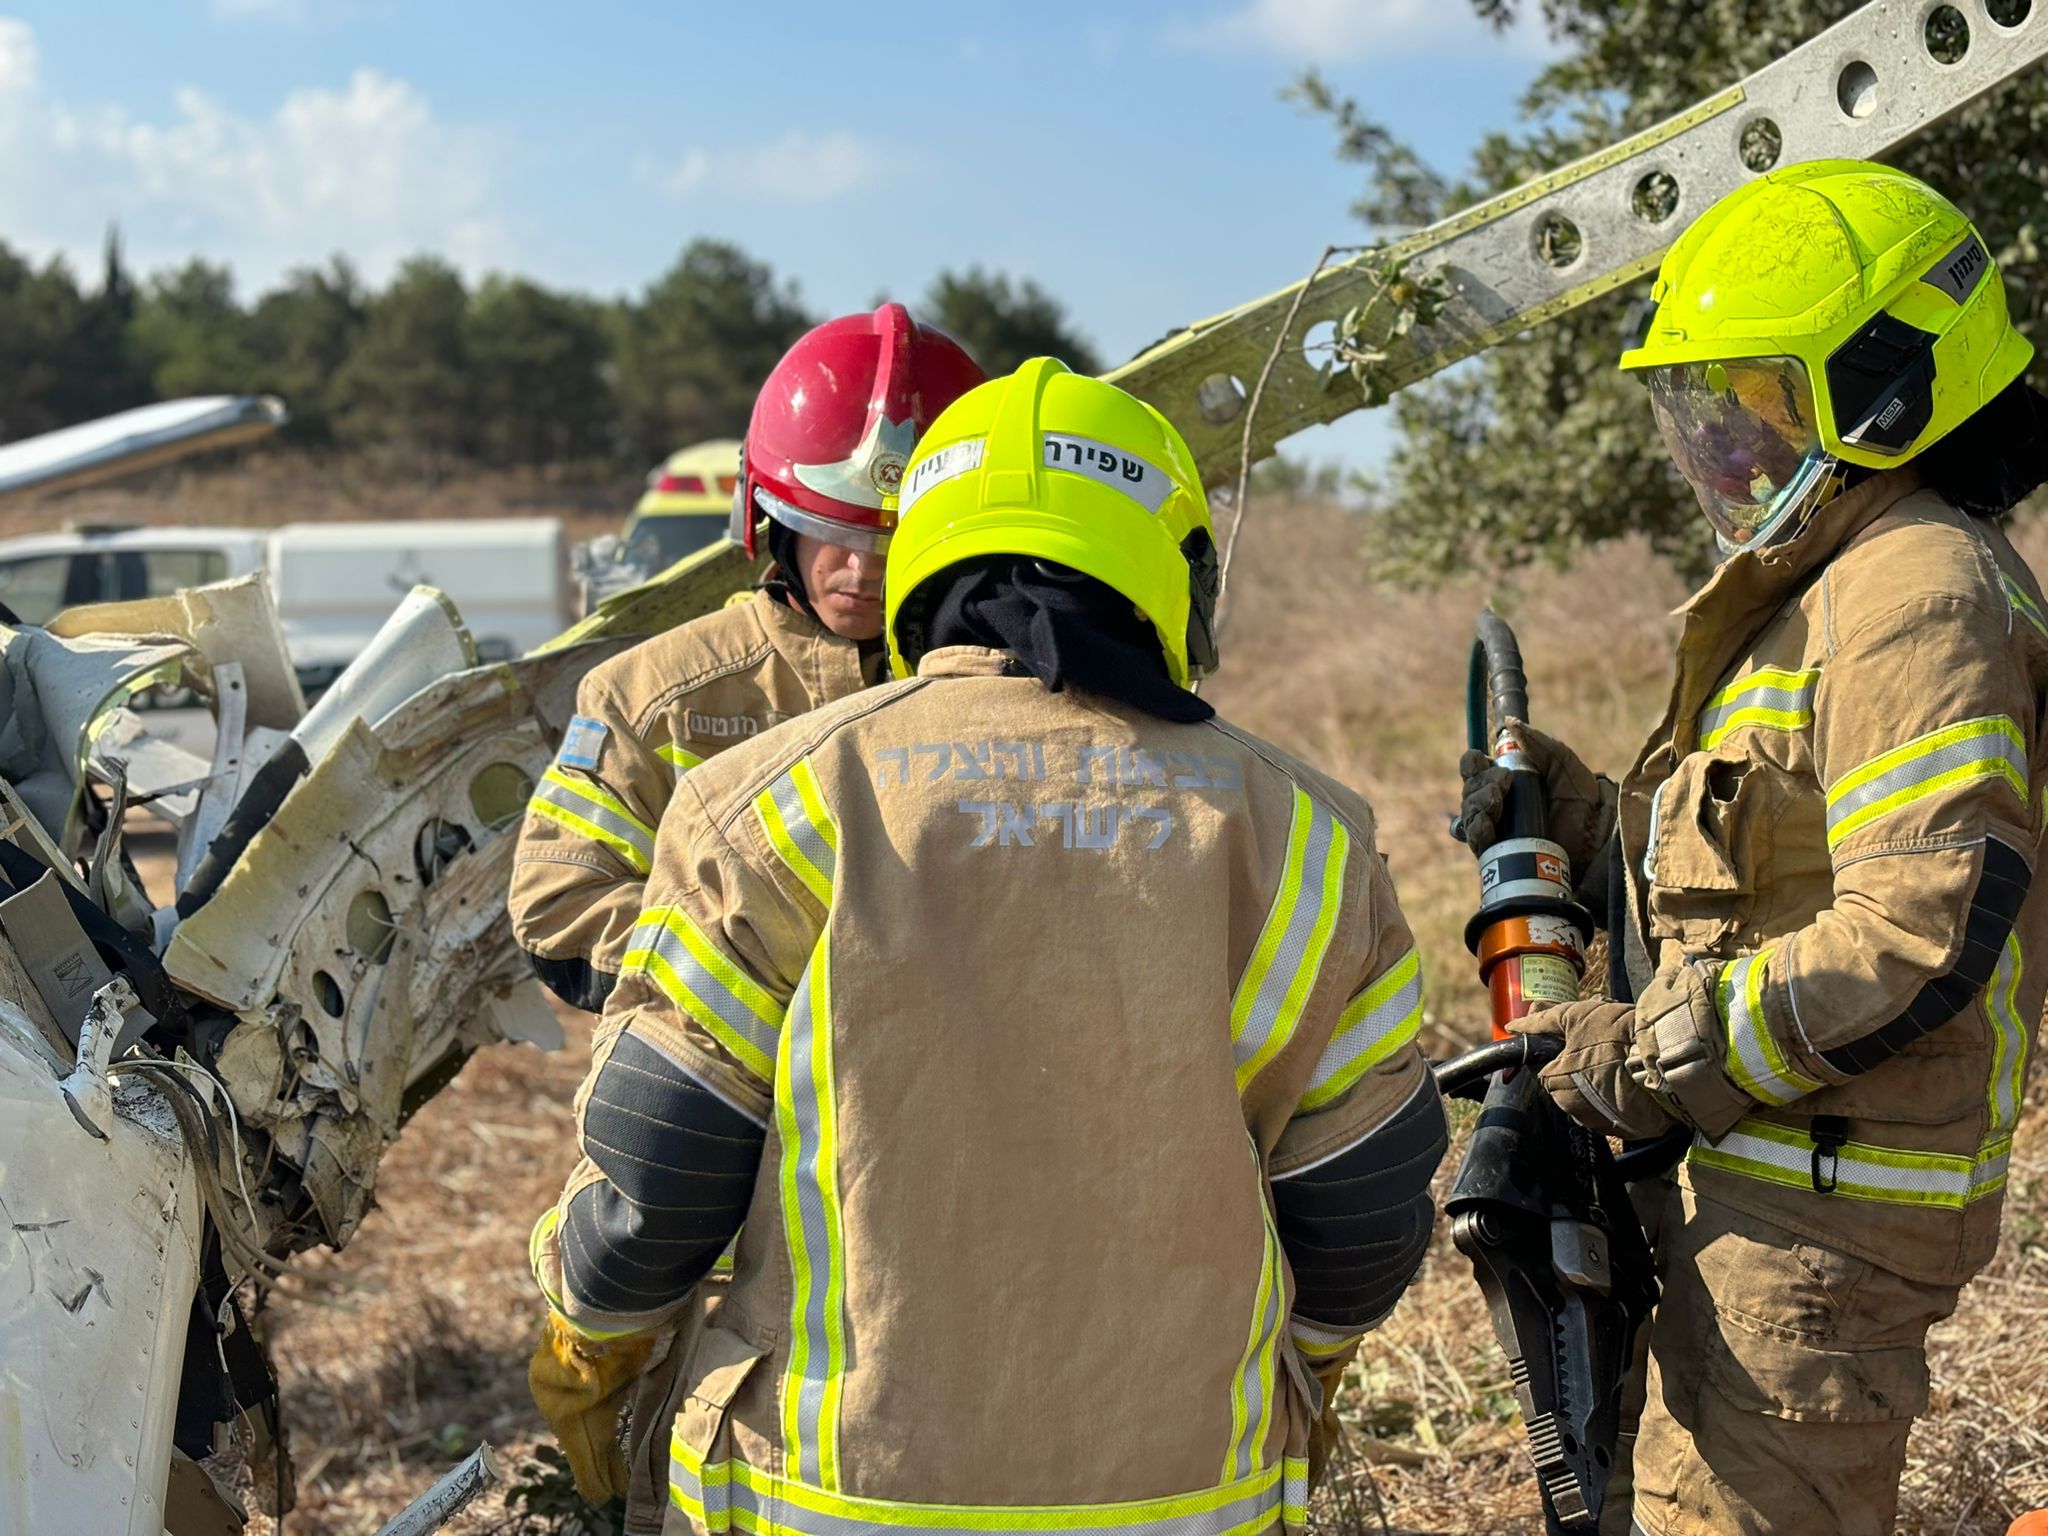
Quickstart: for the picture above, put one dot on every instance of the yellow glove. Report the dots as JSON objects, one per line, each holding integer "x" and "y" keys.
{"x": 579, "y": 1384}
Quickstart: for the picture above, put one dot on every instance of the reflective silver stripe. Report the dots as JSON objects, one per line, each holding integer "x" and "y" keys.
{"x": 628, "y": 836}
{"x": 731, "y": 1494}
{"x": 1375, "y": 1024}
{"x": 2009, "y": 1037}
{"x": 1954, "y": 755}
{"x": 735, "y": 1009}
{"x": 1284, "y": 966}
{"x": 796, "y": 817}
{"x": 1755, "y": 1057}
{"x": 1781, "y": 1154}
{"x": 807, "y": 1123}
{"x": 1771, "y": 698}
{"x": 1319, "y": 1343}
{"x": 1251, "y": 1404}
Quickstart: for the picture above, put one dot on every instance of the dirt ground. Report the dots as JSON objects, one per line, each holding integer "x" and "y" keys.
{"x": 421, "y": 1352}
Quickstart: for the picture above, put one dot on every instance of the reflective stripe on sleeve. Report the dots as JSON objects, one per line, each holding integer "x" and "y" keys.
{"x": 1375, "y": 1024}
{"x": 1251, "y": 1396}
{"x": 1289, "y": 955}
{"x": 595, "y": 813}
{"x": 536, "y": 1244}
{"x": 1769, "y": 698}
{"x": 1955, "y": 755}
{"x": 1781, "y": 1154}
{"x": 2008, "y": 1037}
{"x": 701, "y": 979}
{"x": 2021, "y": 603}
{"x": 678, "y": 757}
{"x": 1319, "y": 1345}
{"x": 801, "y": 829}
{"x": 726, "y": 1495}
{"x": 1755, "y": 1058}
{"x": 806, "y": 1119}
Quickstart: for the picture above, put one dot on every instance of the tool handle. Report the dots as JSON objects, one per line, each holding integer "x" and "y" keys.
{"x": 1507, "y": 685}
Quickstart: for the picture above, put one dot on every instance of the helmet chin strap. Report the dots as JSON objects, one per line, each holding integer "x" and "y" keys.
{"x": 1819, "y": 481}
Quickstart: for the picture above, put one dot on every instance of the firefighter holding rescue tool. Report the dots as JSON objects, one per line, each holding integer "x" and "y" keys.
{"x": 831, "y": 431}
{"x": 1826, "y": 851}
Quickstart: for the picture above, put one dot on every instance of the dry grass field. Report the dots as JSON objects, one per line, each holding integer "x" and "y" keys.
{"x": 421, "y": 1350}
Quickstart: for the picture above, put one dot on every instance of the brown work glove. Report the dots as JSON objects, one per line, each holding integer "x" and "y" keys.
{"x": 1581, "y": 803}
{"x": 579, "y": 1384}
{"x": 1681, "y": 1046}
{"x": 1327, "y": 1432}
{"x": 1593, "y": 1079}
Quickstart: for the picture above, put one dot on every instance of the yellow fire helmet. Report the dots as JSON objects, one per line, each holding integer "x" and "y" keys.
{"x": 1070, "y": 470}
{"x": 1830, "y": 313}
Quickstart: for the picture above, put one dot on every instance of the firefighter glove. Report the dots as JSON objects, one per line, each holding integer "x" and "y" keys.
{"x": 579, "y": 1384}
{"x": 1681, "y": 1045}
{"x": 1581, "y": 804}
{"x": 1595, "y": 1079}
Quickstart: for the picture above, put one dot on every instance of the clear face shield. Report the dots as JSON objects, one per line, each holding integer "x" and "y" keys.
{"x": 1743, "y": 433}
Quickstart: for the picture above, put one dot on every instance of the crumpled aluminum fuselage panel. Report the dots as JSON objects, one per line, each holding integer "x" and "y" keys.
{"x": 362, "y": 934}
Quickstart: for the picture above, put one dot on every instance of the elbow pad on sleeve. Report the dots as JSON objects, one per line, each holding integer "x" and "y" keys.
{"x": 576, "y": 982}
{"x": 1994, "y": 908}
{"x": 1355, "y": 1226}
{"x": 679, "y": 1166}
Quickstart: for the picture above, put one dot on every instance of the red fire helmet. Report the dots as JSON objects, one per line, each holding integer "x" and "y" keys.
{"x": 836, "y": 422}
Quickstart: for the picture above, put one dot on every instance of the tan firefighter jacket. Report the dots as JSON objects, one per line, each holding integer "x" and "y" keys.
{"x": 1031, "y": 994}
{"x": 1835, "y": 828}
{"x": 645, "y": 718}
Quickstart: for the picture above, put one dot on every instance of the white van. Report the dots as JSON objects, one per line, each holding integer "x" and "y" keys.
{"x": 335, "y": 583}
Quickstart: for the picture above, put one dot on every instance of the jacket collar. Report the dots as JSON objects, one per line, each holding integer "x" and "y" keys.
{"x": 965, "y": 661}
{"x": 830, "y": 664}
{"x": 1723, "y": 619}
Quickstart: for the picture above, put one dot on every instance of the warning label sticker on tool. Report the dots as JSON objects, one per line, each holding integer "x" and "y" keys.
{"x": 1547, "y": 979}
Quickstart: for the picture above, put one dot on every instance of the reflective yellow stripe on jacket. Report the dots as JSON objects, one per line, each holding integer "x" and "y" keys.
{"x": 806, "y": 1119}
{"x": 2022, "y": 604}
{"x": 678, "y": 757}
{"x": 730, "y": 1495}
{"x": 1770, "y": 698}
{"x": 1251, "y": 1397}
{"x": 1374, "y": 1025}
{"x": 1755, "y": 1058}
{"x": 701, "y": 979}
{"x": 596, "y": 813}
{"x": 1782, "y": 1154}
{"x": 1927, "y": 765}
{"x": 800, "y": 829}
{"x": 1296, "y": 935}
{"x": 2009, "y": 1039}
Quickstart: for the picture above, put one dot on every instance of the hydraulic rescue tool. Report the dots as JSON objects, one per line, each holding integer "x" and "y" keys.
{"x": 1539, "y": 1205}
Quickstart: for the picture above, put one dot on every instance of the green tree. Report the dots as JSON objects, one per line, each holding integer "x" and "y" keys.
{"x": 693, "y": 352}
{"x": 1541, "y": 447}
{"x": 189, "y": 334}
{"x": 302, "y": 336}
{"x": 543, "y": 394}
{"x": 409, "y": 387}
{"x": 1003, "y": 324}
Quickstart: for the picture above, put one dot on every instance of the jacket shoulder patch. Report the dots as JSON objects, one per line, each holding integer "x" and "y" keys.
{"x": 583, "y": 744}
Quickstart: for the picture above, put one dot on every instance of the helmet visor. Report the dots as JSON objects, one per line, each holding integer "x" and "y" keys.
{"x": 1742, "y": 432}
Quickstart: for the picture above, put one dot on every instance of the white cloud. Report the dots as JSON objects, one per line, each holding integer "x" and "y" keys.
{"x": 17, "y": 58}
{"x": 1355, "y": 31}
{"x": 797, "y": 169}
{"x": 367, "y": 169}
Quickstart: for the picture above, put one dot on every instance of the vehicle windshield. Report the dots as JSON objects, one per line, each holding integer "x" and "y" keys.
{"x": 656, "y": 543}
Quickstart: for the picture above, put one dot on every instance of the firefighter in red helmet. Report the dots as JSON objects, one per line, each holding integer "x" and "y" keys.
{"x": 831, "y": 431}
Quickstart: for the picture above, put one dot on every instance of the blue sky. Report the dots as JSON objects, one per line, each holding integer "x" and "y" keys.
{"x": 1134, "y": 158}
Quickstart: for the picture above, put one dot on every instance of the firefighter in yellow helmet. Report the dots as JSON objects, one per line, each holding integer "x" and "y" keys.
{"x": 1818, "y": 874}
{"x": 1054, "y": 1039}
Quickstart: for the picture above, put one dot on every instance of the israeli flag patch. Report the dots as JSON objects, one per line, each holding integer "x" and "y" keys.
{"x": 583, "y": 744}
